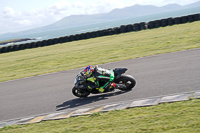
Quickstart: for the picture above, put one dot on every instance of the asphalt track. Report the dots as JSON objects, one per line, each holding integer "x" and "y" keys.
{"x": 156, "y": 75}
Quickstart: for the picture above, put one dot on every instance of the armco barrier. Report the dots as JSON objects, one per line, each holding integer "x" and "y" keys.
{"x": 105, "y": 32}
{"x": 143, "y": 26}
{"x": 191, "y": 18}
{"x": 71, "y": 38}
{"x": 99, "y": 33}
{"x": 11, "y": 48}
{"x": 177, "y": 20}
{"x": 45, "y": 42}
{"x": 77, "y": 37}
{"x": 93, "y": 34}
{"x": 42, "y": 43}
{"x": 21, "y": 47}
{"x": 150, "y": 25}
{"x": 16, "y": 47}
{"x": 102, "y": 32}
{"x": 83, "y": 36}
{"x": 49, "y": 42}
{"x": 66, "y": 39}
{"x": 129, "y": 28}
{"x": 8, "y": 49}
{"x": 87, "y": 35}
{"x": 116, "y": 30}
{"x": 26, "y": 45}
{"x": 110, "y": 31}
{"x": 170, "y": 21}
{"x": 38, "y": 44}
{"x": 34, "y": 45}
{"x": 164, "y": 22}
{"x": 122, "y": 29}
{"x": 55, "y": 40}
{"x": 2, "y": 49}
{"x": 60, "y": 40}
{"x": 96, "y": 33}
{"x": 136, "y": 27}
{"x": 157, "y": 24}
{"x": 196, "y": 17}
{"x": 184, "y": 19}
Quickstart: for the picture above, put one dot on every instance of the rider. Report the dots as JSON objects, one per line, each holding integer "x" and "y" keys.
{"x": 97, "y": 74}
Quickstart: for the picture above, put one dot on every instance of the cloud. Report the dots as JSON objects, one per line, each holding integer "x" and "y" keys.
{"x": 164, "y": 2}
{"x": 24, "y": 22}
{"x": 65, "y": 8}
{"x": 180, "y": 2}
{"x": 103, "y": 6}
{"x": 8, "y": 12}
{"x": 11, "y": 20}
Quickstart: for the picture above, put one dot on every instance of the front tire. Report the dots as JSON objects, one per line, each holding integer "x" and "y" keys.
{"x": 80, "y": 93}
{"x": 126, "y": 80}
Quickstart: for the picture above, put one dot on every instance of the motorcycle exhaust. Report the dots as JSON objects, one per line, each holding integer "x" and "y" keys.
{"x": 120, "y": 86}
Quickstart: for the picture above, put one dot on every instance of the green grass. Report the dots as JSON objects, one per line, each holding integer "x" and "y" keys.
{"x": 60, "y": 57}
{"x": 9, "y": 41}
{"x": 179, "y": 117}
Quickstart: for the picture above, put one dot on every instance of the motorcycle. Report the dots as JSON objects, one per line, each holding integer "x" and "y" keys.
{"x": 122, "y": 82}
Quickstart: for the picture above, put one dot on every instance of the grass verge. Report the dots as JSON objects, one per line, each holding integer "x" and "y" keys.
{"x": 179, "y": 117}
{"x": 31, "y": 62}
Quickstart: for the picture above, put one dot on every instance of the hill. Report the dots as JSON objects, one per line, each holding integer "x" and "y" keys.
{"x": 116, "y": 14}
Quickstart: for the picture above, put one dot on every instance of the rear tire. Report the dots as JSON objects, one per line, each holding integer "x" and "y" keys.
{"x": 126, "y": 80}
{"x": 80, "y": 93}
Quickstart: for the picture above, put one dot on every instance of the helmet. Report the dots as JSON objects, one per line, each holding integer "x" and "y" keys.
{"x": 88, "y": 70}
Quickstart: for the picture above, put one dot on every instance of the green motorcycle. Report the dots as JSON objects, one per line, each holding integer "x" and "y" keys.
{"x": 122, "y": 82}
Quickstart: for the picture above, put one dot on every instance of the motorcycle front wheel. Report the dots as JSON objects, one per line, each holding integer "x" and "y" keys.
{"x": 80, "y": 93}
{"x": 126, "y": 80}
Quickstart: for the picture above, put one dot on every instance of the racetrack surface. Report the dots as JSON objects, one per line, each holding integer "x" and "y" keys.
{"x": 156, "y": 75}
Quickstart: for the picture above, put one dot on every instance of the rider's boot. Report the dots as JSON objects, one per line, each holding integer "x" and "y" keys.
{"x": 101, "y": 89}
{"x": 112, "y": 87}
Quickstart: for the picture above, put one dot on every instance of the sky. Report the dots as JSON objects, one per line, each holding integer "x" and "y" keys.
{"x": 19, "y": 15}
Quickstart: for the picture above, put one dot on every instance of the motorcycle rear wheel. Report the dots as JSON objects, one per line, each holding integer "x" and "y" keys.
{"x": 80, "y": 93}
{"x": 126, "y": 80}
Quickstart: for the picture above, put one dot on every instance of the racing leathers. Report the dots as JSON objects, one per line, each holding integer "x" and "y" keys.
{"x": 102, "y": 79}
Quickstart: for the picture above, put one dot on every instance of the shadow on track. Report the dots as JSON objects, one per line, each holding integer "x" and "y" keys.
{"x": 87, "y": 100}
